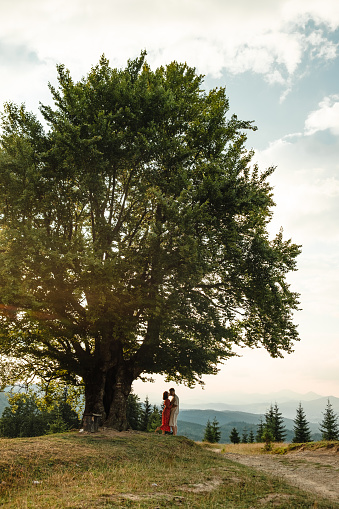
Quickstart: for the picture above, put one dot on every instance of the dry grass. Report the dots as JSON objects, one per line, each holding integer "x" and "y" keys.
{"x": 249, "y": 449}
{"x": 136, "y": 470}
{"x": 245, "y": 449}
{"x": 328, "y": 446}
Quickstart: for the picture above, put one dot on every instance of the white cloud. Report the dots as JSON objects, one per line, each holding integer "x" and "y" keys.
{"x": 321, "y": 11}
{"x": 264, "y": 37}
{"x": 306, "y": 190}
{"x": 306, "y": 187}
{"x": 325, "y": 117}
{"x": 320, "y": 46}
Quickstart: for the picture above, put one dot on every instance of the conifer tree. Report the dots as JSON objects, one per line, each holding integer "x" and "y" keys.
{"x": 133, "y": 411}
{"x": 154, "y": 419}
{"x": 251, "y": 437}
{"x": 301, "y": 428}
{"x": 244, "y": 438}
{"x": 212, "y": 432}
{"x": 145, "y": 414}
{"x": 234, "y": 436}
{"x": 274, "y": 423}
{"x": 215, "y": 431}
{"x": 260, "y": 431}
{"x": 208, "y": 433}
{"x": 279, "y": 426}
{"x": 329, "y": 424}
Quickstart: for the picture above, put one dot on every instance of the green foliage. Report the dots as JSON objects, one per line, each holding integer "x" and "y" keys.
{"x": 208, "y": 435}
{"x": 212, "y": 432}
{"x": 142, "y": 416}
{"x": 301, "y": 428}
{"x": 260, "y": 431}
{"x": 58, "y": 425}
{"x": 234, "y": 436}
{"x": 268, "y": 438}
{"x": 134, "y": 236}
{"x": 23, "y": 418}
{"x": 329, "y": 425}
{"x": 216, "y": 430}
{"x": 274, "y": 424}
{"x": 145, "y": 415}
{"x": 154, "y": 419}
{"x": 244, "y": 437}
{"x": 134, "y": 411}
{"x": 27, "y": 416}
{"x": 251, "y": 437}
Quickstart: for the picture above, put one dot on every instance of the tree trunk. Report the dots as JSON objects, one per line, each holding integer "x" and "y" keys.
{"x": 94, "y": 394}
{"x": 106, "y": 394}
{"x": 117, "y": 388}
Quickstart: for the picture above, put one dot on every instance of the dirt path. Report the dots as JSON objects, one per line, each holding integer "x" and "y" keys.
{"x": 313, "y": 471}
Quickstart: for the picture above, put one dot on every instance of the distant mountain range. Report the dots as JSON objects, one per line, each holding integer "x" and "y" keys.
{"x": 313, "y": 408}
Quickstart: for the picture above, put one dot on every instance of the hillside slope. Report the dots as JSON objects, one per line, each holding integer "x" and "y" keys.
{"x": 136, "y": 470}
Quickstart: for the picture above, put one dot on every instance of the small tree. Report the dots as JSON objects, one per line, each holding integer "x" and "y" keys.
{"x": 301, "y": 428}
{"x": 134, "y": 411}
{"x": 234, "y": 436}
{"x": 145, "y": 414}
{"x": 212, "y": 432}
{"x": 244, "y": 438}
{"x": 251, "y": 437}
{"x": 329, "y": 424}
{"x": 57, "y": 423}
{"x": 274, "y": 423}
{"x": 216, "y": 431}
{"x": 62, "y": 417}
{"x": 208, "y": 433}
{"x": 260, "y": 431}
{"x": 268, "y": 438}
{"x": 154, "y": 419}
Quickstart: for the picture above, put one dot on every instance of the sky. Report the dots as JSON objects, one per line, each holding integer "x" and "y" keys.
{"x": 279, "y": 62}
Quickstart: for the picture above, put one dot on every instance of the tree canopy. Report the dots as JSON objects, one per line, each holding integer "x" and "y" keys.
{"x": 133, "y": 235}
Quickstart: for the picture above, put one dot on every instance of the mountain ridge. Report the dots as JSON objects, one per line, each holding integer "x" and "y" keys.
{"x": 314, "y": 409}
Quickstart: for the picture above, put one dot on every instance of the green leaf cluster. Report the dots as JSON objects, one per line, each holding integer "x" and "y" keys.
{"x": 29, "y": 415}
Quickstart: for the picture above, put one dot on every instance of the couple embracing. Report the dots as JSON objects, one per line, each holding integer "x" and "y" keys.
{"x": 169, "y": 414}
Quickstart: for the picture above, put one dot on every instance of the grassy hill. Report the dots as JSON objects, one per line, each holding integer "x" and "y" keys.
{"x": 135, "y": 470}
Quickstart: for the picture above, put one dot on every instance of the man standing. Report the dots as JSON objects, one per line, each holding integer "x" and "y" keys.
{"x": 174, "y": 411}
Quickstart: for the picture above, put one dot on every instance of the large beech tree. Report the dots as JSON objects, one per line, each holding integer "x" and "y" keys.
{"x": 134, "y": 236}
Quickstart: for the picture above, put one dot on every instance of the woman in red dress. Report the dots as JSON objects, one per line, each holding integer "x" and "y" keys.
{"x": 165, "y": 415}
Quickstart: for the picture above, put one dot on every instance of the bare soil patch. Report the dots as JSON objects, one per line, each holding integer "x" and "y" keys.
{"x": 313, "y": 471}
